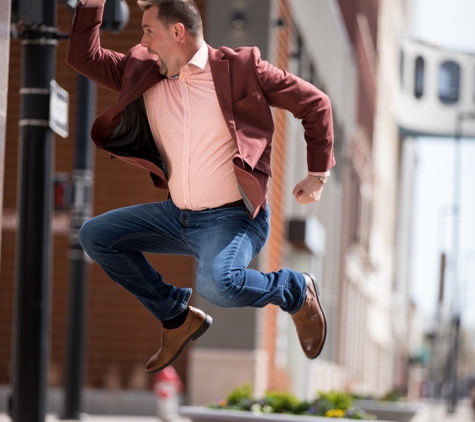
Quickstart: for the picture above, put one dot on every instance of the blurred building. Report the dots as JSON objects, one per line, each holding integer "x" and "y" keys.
{"x": 437, "y": 99}
{"x": 356, "y": 240}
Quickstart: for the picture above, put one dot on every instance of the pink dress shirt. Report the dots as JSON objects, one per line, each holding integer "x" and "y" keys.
{"x": 192, "y": 137}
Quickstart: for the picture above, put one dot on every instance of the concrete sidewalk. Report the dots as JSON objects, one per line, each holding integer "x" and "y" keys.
{"x": 114, "y": 418}
{"x": 433, "y": 412}
{"x": 437, "y": 412}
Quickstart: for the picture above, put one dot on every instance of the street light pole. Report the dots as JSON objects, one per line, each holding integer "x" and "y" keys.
{"x": 81, "y": 210}
{"x": 33, "y": 244}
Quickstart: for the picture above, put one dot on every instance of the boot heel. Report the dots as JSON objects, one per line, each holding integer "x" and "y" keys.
{"x": 204, "y": 327}
{"x": 315, "y": 284}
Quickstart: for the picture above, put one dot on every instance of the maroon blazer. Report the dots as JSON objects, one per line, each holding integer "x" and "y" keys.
{"x": 246, "y": 88}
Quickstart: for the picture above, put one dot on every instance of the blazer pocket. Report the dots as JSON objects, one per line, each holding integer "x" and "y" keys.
{"x": 253, "y": 97}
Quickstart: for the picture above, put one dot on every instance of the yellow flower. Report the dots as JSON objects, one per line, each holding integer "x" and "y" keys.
{"x": 335, "y": 413}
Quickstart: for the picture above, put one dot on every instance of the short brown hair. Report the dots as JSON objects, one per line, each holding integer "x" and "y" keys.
{"x": 173, "y": 11}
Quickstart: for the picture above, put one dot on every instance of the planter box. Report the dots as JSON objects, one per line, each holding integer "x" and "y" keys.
{"x": 203, "y": 414}
{"x": 394, "y": 411}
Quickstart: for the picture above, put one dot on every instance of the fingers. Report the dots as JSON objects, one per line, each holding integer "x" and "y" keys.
{"x": 298, "y": 190}
{"x": 299, "y": 193}
{"x": 305, "y": 199}
{"x": 308, "y": 190}
{"x": 302, "y": 197}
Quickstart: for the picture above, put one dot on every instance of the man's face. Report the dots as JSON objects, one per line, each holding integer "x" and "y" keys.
{"x": 157, "y": 39}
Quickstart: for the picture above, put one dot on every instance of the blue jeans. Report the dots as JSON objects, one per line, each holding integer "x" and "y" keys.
{"x": 223, "y": 241}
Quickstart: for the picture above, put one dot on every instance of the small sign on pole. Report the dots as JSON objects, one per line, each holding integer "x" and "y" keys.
{"x": 59, "y": 110}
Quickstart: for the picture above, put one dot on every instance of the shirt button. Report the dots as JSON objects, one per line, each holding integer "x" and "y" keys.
{"x": 187, "y": 125}
{"x": 186, "y": 200}
{"x": 184, "y": 177}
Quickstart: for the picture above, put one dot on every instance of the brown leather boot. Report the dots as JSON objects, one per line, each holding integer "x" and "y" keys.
{"x": 310, "y": 321}
{"x": 175, "y": 340}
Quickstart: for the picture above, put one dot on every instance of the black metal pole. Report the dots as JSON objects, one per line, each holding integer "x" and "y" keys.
{"x": 33, "y": 254}
{"x": 437, "y": 370}
{"x": 81, "y": 211}
{"x": 453, "y": 399}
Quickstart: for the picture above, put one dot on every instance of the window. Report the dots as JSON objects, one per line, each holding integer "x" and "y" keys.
{"x": 361, "y": 212}
{"x": 401, "y": 68}
{"x": 302, "y": 61}
{"x": 473, "y": 89}
{"x": 419, "y": 78}
{"x": 308, "y": 71}
{"x": 296, "y": 49}
{"x": 449, "y": 82}
{"x": 355, "y": 207}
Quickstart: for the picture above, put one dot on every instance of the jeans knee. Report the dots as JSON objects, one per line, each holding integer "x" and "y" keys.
{"x": 221, "y": 288}
{"x": 215, "y": 294}
{"x": 87, "y": 234}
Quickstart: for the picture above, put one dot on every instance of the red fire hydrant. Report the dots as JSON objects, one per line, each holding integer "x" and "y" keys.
{"x": 167, "y": 386}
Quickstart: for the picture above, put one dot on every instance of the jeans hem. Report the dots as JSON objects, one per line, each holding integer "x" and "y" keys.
{"x": 302, "y": 297}
{"x": 185, "y": 304}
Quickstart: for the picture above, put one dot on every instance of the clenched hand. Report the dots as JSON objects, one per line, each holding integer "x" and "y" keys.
{"x": 308, "y": 190}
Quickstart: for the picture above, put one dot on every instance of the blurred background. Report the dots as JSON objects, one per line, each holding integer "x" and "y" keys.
{"x": 391, "y": 241}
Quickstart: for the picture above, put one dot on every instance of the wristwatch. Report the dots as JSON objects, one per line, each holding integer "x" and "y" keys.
{"x": 322, "y": 179}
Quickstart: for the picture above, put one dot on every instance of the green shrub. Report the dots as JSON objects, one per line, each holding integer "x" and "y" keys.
{"x": 332, "y": 405}
{"x": 393, "y": 395}
{"x": 240, "y": 393}
{"x": 337, "y": 400}
{"x": 282, "y": 402}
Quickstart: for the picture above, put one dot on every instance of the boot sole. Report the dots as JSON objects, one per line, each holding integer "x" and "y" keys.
{"x": 196, "y": 335}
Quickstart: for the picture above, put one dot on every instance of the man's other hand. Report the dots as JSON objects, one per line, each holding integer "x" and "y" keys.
{"x": 308, "y": 190}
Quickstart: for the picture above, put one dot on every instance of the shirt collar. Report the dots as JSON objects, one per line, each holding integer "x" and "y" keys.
{"x": 200, "y": 59}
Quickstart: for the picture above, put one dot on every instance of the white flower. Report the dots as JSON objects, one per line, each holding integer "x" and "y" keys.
{"x": 256, "y": 408}
{"x": 267, "y": 409}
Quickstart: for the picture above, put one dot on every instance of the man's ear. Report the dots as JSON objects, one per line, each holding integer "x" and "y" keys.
{"x": 179, "y": 31}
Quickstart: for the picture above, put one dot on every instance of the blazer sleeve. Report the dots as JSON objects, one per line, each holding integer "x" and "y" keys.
{"x": 85, "y": 54}
{"x": 305, "y": 102}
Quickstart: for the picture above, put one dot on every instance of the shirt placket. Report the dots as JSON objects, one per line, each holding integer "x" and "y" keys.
{"x": 185, "y": 95}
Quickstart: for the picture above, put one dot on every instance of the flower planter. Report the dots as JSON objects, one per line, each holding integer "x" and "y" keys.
{"x": 204, "y": 414}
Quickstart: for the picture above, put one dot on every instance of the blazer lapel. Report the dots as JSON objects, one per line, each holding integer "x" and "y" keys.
{"x": 151, "y": 75}
{"x": 222, "y": 84}
{"x": 108, "y": 120}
